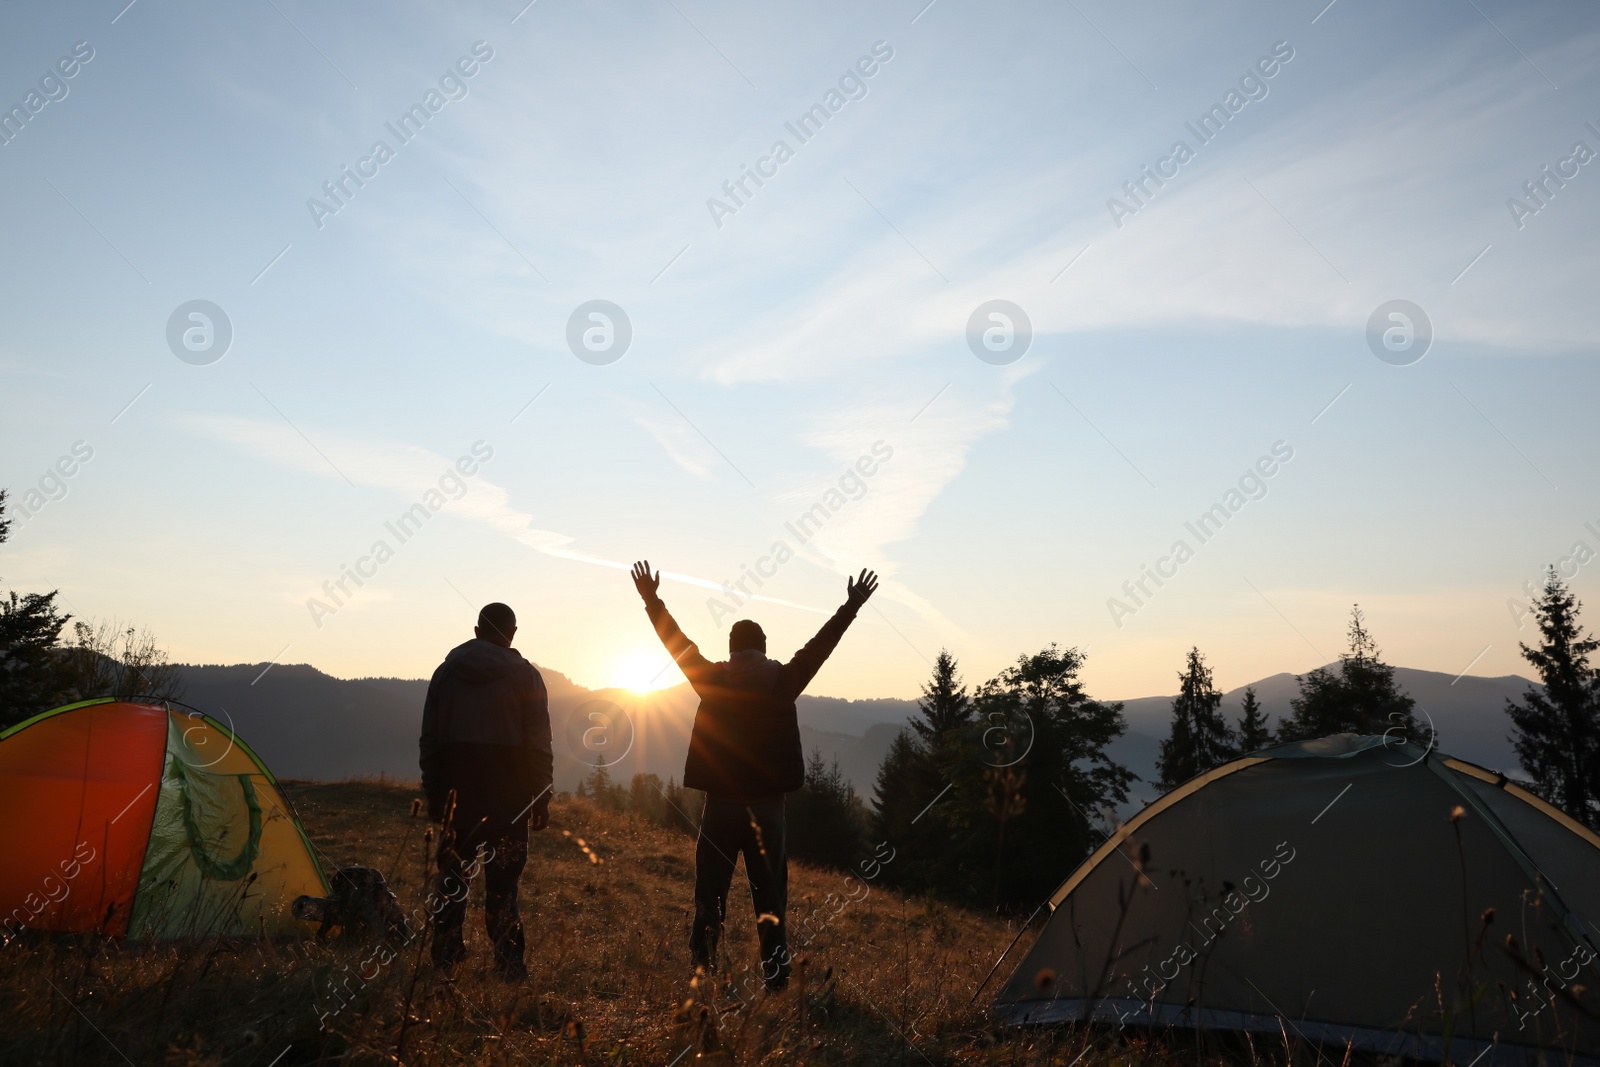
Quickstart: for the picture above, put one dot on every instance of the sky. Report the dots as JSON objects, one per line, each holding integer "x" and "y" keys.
{"x": 399, "y": 317}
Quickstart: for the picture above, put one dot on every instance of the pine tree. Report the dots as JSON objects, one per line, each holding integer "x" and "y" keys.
{"x": 907, "y": 781}
{"x": 647, "y": 798}
{"x": 1201, "y": 738}
{"x": 600, "y": 789}
{"x": 30, "y": 627}
{"x": 1557, "y": 733}
{"x": 826, "y": 818}
{"x": 1010, "y": 790}
{"x": 1358, "y": 696}
{"x": 684, "y": 807}
{"x": 1254, "y": 733}
{"x": 945, "y": 706}
{"x": 905, "y": 816}
{"x": 917, "y": 769}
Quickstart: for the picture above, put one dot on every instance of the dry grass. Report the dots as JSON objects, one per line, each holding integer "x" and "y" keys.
{"x": 886, "y": 981}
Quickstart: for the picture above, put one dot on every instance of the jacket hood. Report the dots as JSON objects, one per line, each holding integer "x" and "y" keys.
{"x": 483, "y": 661}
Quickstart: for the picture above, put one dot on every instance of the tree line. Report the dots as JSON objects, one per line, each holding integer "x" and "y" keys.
{"x": 1357, "y": 695}
{"x": 1002, "y": 833}
{"x": 976, "y": 814}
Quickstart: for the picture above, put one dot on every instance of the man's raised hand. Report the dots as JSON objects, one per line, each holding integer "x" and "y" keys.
{"x": 644, "y": 582}
{"x": 858, "y": 589}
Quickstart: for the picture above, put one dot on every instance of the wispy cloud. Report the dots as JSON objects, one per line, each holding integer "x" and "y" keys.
{"x": 408, "y": 471}
{"x": 676, "y": 437}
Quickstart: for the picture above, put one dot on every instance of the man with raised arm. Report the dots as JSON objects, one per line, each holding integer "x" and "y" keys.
{"x": 486, "y": 771}
{"x": 744, "y": 753}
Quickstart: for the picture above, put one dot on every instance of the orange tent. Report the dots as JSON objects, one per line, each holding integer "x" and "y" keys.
{"x": 147, "y": 820}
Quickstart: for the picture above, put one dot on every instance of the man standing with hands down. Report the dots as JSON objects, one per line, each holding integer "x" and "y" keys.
{"x": 744, "y": 752}
{"x": 486, "y": 771}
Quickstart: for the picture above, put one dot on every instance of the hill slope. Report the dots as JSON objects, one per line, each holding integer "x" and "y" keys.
{"x": 606, "y": 902}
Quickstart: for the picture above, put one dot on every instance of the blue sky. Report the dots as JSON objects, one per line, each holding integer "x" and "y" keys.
{"x": 772, "y": 348}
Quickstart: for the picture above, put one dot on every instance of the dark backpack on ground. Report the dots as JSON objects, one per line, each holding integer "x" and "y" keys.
{"x": 361, "y": 906}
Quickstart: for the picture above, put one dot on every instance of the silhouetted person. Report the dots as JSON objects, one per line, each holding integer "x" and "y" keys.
{"x": 486, "y": 771}
{"x": 744, "y": 752}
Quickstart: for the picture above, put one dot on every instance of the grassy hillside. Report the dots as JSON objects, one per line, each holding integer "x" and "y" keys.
{"x": 883, "y": 980}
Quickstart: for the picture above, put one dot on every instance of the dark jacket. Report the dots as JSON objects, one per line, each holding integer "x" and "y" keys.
{"x": 746, "y": 737}
{"x": 485, "y": 734}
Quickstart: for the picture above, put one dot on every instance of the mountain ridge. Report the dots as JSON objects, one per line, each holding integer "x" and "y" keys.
{"x": 306, "y": 723}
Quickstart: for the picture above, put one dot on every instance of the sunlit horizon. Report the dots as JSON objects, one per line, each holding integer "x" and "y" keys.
{"x": 640, "y": 670}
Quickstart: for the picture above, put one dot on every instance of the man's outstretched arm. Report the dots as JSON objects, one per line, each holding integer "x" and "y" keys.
{"x": 799, "y": 671}
{"x": 684, "y": 651}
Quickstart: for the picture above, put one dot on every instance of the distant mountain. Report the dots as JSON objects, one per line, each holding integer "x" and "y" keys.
{"x": 1468, "y": 716}
{"x": 307, "y": 724}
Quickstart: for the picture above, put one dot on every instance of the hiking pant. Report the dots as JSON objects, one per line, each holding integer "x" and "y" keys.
{"x": 501, "y": 871}
{"x": 726, "y": 830}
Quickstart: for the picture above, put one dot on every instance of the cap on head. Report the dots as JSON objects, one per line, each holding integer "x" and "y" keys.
{"x": 497, "y": 621}
{"x": 746, "y": 636}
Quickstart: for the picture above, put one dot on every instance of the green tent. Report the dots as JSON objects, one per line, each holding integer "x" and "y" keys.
{"x": 146, "y": 819}
{"x": 1351, "y": 891}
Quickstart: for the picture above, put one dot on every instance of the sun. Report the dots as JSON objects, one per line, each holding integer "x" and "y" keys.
{"x": 643, "y": 670}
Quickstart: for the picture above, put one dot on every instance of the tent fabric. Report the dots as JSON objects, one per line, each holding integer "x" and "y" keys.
{"x": 75, "y": 787}
{"x": 146, "y": 820}
{"x": 1335, "y": 889}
